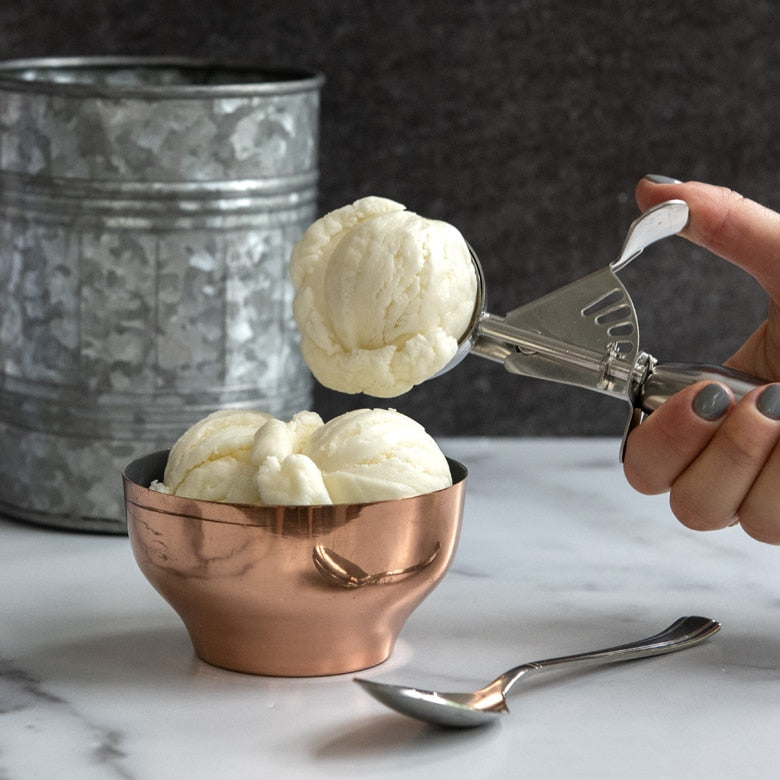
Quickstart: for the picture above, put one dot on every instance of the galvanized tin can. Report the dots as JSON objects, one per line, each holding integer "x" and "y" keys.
{"x": 147, "y": 212}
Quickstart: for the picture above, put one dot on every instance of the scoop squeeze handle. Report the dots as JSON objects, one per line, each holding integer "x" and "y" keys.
{"x": 665, "y": 379}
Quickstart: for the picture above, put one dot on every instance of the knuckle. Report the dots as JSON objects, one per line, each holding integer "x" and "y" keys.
{"x": 643, "y": 480}
{"x": 689, "y": 508}
{"x": 743, "y": 447}
{"x": 759, "y": 516}
{"x": 716, "y": 234}
{"x": 760, "y": 527}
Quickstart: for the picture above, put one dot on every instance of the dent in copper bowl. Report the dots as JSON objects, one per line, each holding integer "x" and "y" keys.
{"x": 244, "y": 581}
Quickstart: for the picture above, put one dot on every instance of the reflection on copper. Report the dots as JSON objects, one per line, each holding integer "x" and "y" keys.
{"x": 241, "y": 577}
{"x": 347, "y": 574}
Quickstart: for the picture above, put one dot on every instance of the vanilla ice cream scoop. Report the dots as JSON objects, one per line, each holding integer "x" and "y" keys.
{"x": 211, "y": 460}
{"x": 376, "y": 455}
{"x": 285, "y": 476}
{"x": 383, "y": 297}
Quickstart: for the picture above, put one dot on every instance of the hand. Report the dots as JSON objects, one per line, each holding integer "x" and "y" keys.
{"x": 719, "y": 459}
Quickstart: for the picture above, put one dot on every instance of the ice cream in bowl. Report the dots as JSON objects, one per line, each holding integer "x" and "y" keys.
{"x": 300, "y": 547}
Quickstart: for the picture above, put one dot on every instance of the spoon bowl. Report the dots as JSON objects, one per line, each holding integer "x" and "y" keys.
{"x": 477, "y": 708}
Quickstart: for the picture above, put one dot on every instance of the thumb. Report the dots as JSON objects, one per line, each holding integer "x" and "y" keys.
{"x": 726, "y": 223}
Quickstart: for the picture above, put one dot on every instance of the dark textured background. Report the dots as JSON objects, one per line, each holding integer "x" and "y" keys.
{"x": 526, "y": 124}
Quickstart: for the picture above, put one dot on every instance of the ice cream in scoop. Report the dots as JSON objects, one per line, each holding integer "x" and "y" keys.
{"x": 383, "y": 296}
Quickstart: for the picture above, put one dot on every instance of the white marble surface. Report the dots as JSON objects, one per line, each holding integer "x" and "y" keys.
{"x": 98, "y": 679}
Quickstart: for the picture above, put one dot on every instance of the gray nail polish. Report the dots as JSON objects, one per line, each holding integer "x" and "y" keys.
{"x": 768, "y": 402}
{"x": 713, "y": 402}
{"x": 657, "y": 178}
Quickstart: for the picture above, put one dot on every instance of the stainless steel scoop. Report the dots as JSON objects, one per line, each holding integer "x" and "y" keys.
{"x": 586, "y": 333}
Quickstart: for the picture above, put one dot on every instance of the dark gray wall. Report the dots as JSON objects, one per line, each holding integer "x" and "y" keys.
{"x": 526, "y": 124}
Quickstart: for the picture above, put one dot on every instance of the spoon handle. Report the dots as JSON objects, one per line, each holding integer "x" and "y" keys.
{"x": 684, "y": 632}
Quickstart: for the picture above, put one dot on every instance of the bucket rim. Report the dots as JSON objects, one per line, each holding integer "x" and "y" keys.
{"x": 267, "y": 79}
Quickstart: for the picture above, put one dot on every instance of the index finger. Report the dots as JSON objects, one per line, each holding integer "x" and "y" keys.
{"x": 736, "y": 228}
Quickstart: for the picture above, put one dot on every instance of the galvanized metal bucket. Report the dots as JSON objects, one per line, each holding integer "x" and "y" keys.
{"x": 147, "y": 212}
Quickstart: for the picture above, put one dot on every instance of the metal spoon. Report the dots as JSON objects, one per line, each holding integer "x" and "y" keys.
{"x": 466, "y": 710}
{"x": 341, "y": 571}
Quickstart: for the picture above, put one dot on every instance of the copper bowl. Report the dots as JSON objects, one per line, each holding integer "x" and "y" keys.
{"x": 247, "y": 584}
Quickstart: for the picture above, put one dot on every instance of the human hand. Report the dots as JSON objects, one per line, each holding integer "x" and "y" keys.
{"x": 720, "y": 460}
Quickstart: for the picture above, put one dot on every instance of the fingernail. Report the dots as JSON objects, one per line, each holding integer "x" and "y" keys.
{"x": 656, "y": 178}
{"x": 768, "y": 402}
{"x": 712, "y": 402}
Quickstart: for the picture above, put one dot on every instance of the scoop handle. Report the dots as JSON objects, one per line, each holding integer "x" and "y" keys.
{"x": 665, "y": 379}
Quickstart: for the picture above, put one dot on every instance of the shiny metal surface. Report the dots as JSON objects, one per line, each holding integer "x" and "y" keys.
{"x": 468, "y": 340}
{"x": 347, "y": 574}
{"x": 476, "y": 708}
{"x": 244, "y": 582}
{"x": 665, "y": 379}
{"x": 586, "y": 333}
{"x": 147, "y": 211}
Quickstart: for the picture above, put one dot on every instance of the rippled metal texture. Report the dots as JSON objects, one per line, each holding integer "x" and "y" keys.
{"x": 245, "y": 584}
{"x": 147, "y": 213}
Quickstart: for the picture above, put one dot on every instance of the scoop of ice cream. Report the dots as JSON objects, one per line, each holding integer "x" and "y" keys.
{"x": 279, "y": 439}
{"x": 377, "y": 455}
{"x": 294, "y": 481}
{"x": 284, "y": 475}
{"x": 211, "y": 460}
{"x": 383, "y": 296}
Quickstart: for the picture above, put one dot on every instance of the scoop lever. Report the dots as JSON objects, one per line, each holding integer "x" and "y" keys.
{"x": 586, "y": 333}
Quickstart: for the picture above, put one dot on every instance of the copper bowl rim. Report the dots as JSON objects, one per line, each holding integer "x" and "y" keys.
{"x": 139, "y": 473}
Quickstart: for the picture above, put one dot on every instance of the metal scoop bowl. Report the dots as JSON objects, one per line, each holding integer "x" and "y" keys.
{"x": 477, "y": 708}
{"x": 586, "y": 333}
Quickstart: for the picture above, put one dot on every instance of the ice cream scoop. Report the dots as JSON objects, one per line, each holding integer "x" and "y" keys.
{"x": 211, "y": 460}
{"x": 372, "y": 454}
{"x": 587, "y": 334}
{"x": 383, "y": 296}
{"x": 584, "y": 334}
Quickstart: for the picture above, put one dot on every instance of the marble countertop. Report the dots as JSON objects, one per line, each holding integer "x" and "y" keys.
{"x": 557, "y": 555}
